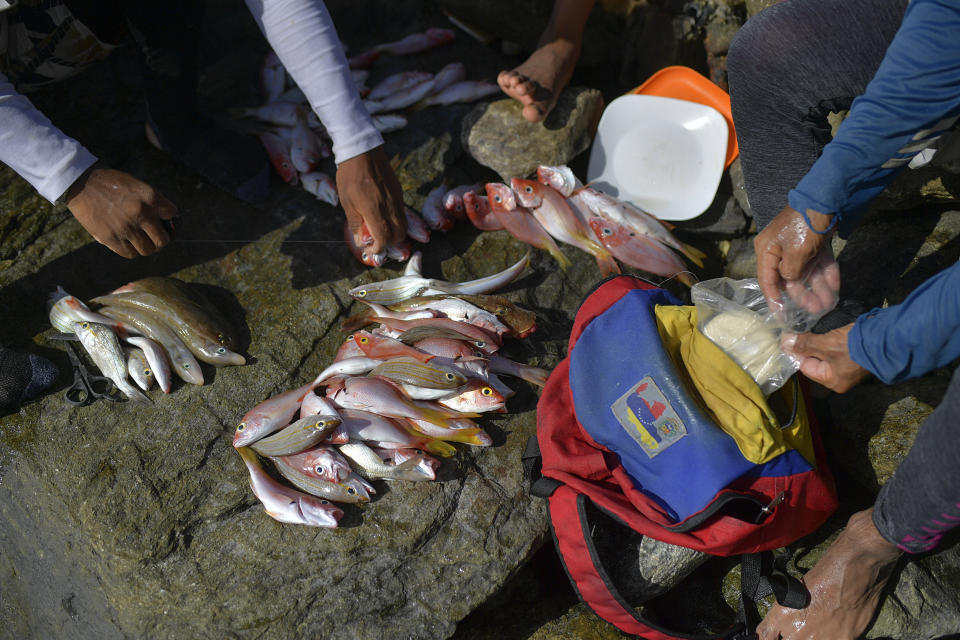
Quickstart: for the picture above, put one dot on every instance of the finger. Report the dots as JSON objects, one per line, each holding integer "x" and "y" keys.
{"x": 798, "y": 292}
{"x": 817, "y": 370}
{"x": 805, "y": 345}
{"x": 831, "y": 275}
{"x": 165, "y": 209}
{"x": 820, "y": 289}
{"x": 768, "y": 274}
{"x": 141, "y": 242}
{"x": 157, "y": 233}
{"x": 379, "y": 231}
{"x": 122, "y": 248}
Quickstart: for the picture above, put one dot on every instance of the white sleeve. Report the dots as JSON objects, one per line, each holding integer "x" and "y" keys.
{"x": 30, "y": 145}
{"x": 302, "y": 35}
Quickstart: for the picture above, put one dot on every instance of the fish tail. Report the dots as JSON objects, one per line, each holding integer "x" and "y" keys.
{"x": 357, "y": 321}
{"x": 533, "y": 375}
{"x": 693, "y": 254}
{"x": 607, "y": 263}
{"x": 686, "y": 278}
{"x": 132, "y": 392}
{"x": 432, "y": 416}
{"x": 558, "y": 255}
{"x": 439, "y": 448}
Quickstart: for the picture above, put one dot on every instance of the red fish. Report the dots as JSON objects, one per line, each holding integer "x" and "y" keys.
{"x": 478, "y": 211}
{"x": 279, "y": 152}
{"x": 639, "y": 251}
{"x": 416, "y": 226}
{"x": 384, "y": 348}
{"x": 552, "y": 211}
{"x": 362, "y": 253}
{"x": 520, "y": 223}
{"x": 433, "y": 212}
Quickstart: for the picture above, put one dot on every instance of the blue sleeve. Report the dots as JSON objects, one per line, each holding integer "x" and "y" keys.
{"x": 914, "y": 337}
{"x": 913, "y": 97}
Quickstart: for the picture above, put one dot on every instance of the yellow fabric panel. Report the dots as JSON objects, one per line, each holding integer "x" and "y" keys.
{"x": 729, "y": 394}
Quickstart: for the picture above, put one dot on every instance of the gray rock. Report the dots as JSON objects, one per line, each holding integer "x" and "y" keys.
{"x": 739, "y": 257}
{"x": 756, "y": 6}
{"x": 497, "y": 136}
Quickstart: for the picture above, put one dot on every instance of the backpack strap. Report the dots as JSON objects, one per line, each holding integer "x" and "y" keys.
{"x": 540, "y": 486}
{"x": 591, "y": 580}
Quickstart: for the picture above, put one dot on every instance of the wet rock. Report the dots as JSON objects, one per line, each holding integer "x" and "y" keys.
{"x": 740, "y": 260}
{"x": 497, "y": 136}
{"x": 579, "y": 623}
{"x": 756, "y": 6}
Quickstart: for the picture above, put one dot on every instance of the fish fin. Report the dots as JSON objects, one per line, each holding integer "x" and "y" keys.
{"x": 561, "y": 259}
{"x": 439, "y": 448}
{"x": 357, "y": 321}
{"x": 695, "y": 255}
{"x": 607, "y": 264}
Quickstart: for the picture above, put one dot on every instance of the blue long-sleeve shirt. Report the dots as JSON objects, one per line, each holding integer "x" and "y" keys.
{"x": 914, "y": 337}
{"x": 913, "y": 97}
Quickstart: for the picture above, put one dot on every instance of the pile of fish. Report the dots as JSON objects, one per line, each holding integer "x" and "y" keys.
{"x": 395, "y": 396}
{"x": 148, "y": 330}
{"x": 297, "y": 141}
{"x": 557, "y": 207}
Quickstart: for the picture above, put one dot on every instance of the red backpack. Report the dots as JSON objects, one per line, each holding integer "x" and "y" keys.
{"x": 619, "y": 431}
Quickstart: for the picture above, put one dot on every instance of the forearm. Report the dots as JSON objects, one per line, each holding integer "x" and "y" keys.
{"x": 913, "y": 337}
{"x": 302, "y": 34}
{"x": 37, "y": 150}
{"x": 912, "y": 98}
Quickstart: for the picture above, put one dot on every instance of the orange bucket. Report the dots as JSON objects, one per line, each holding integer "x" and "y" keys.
{"x": 683, "y": 83}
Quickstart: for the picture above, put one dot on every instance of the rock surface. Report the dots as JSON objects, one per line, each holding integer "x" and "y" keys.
{"x": 498, "y": 137}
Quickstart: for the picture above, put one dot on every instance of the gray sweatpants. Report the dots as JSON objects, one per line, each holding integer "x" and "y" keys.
{"x": 788, "y": 67}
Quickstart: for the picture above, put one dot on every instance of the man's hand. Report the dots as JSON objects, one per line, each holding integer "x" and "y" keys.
{"x": 121, "y": 212}
{"x": 793, "y": 258}
{"x": 825, "y": 358}
{"x": 370, "y": 193}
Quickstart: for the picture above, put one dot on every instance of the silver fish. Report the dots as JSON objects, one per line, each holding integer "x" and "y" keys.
{"x": 67, "y": 309}
{"x": 138, "y": 368}
{"x": 156, "y": 359}
{"x": 284, "y": 504}
{"x": 349, "y": 492}
{"x": 296, "y": 437}
{"x": 182, "y": 361}
{"x": 397, "y": 289}
{"x": 373, "y": 466}
{"x": 101, "y": 343}
{"x": 421, "y": 374}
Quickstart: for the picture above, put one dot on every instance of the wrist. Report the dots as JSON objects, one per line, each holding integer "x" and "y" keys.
{"x": 78, "y": 185}
{"x": 820, "y": 223}
{"x": 864, "y": 533}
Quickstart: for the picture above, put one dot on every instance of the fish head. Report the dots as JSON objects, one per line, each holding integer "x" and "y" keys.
{"x": 319, "y": 512}
{"x": 500, "y": 197}
{"x": 348, "y": 349}
{"x": 355, "y": 489}
{"x": 440, "y": 36}
{"x": 560, "y": 178}
{"x": 529, "y": 192}
{"x": 604, "y": 229}
{"x": 278, "y": 150}
{"x": 453, "y": 203}
{"x": 188, "y": 370}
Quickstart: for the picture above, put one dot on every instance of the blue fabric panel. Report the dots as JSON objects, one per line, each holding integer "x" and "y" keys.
{"x": 786, "y": 464}
{"x": 687, "y": 464}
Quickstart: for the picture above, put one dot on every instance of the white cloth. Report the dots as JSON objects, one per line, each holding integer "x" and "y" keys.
{"x": 38, "y": 151}
{"x": 302, "y": 35}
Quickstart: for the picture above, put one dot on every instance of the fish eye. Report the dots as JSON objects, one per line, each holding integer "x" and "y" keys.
{"x": 147, "y": 372}
{"x": 363, "y": 339}
{"x": 186, "y": 365}
{"x": 221, "y": 350}
{"x": 480, "y": 343}
{"x": 607, "y": 231}
{"x": 319, "y": 469}
{"x": 528, "y": 189}
{"x": 241, "y": 426}
{"x": 450, "y": 376}
{"x": 497, "y": 199}
{"x": 361, "y": 293}
{"x": 487, "y": 391}
{"x": 351, "y": 491}
{"x": 349, "y": 338}
{"x": 85, "y": 325}
{"x": 324, "y": 502}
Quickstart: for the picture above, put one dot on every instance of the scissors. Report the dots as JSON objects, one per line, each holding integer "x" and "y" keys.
{"x": 86, "y": 387}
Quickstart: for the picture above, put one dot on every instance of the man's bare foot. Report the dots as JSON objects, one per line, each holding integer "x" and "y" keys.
{"x": 845, "y": 587}
{"x": 537, "y": 83}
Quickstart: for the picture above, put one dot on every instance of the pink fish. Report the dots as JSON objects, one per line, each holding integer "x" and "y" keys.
{"x": 552, "y": 211}
{"x": 417, "y": 42}
{"x": 639, "y": 251}
{"x": 383, "y": 348}
{"x": 433, "y": 212}
{"x": 463, "y": 91}
{"x": 349, "y": 349}
{"x": 482, "y": 339}
{"x": 285, "y": 504}
{"x": 401, "y": 99}
{"x": 321, "y": 462}
{"x": 520, "y": 223}
{"x": 306, "y": 149}
{"x": 400, "y": 251}
{"x": 278, "y": 151}
{"x": 479, "y": 212}
{"x": 398, "y": 82}
{"x": 417, "y": 228}
{"x": 533, "y": 375}
{"x": 446, "y": 348}
{"x": 273, "y": 77}
{"x": 450, "y": 74}
{"x": 321, "y": 186}
{"x": 560, "y": 178}
{"x": 476, "y": 397}
{"x": 383, "y": 432}
{"x": 363, "y": 253}
{"x": 268, "y": 416}
{"x": 453, "y": 200}
{"x": 382, "y": 397}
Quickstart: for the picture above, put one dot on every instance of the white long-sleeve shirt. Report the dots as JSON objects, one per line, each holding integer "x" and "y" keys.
{"x": 302, "y": 34}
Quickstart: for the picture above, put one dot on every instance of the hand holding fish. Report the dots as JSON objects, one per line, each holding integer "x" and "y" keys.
{"x": 371, "y": 195}
{"x": 121, "y": 212}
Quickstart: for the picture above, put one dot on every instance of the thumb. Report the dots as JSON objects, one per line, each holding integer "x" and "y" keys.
{"x": 803, "y": 344}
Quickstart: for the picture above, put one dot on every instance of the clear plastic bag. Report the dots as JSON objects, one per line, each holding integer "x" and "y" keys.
{"x": 735, "y": 316}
